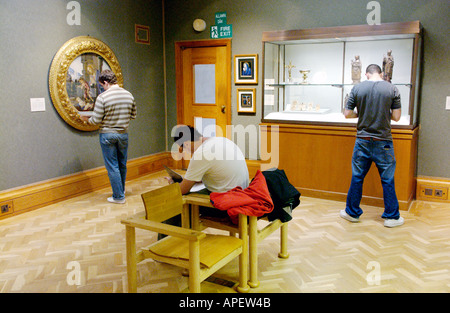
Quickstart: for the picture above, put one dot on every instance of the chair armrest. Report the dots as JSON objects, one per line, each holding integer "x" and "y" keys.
{"x": 166, "y": 229}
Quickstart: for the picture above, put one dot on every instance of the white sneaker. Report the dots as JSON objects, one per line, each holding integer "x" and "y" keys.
{"x": 394, "y": 223}
{"x": 112, "y": 200}
{"x": 347, "y": 217}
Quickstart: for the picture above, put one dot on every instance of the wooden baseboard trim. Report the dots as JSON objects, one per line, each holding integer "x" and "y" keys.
{"x": 433, "y": 189}
{"x": 34, "y": 196}
{"x": 37, "y": 195}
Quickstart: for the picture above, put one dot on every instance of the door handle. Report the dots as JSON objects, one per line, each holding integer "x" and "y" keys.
{"x": 223, "y": 108}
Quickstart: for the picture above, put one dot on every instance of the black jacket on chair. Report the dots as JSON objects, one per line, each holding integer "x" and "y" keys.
{"x": 285, "y": 197}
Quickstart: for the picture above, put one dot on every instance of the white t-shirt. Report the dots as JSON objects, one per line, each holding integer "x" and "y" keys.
{"x": 219, "y": 164}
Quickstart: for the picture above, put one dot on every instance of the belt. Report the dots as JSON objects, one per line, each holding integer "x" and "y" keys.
{"x": 371, "y": 138}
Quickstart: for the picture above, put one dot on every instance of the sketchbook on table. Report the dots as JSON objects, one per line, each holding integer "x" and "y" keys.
{"x": 177, "y": 178}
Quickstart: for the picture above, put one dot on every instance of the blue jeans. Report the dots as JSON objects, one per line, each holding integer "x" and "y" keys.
{"x": 364, "y": 153}
{"x": 115, "y": 148}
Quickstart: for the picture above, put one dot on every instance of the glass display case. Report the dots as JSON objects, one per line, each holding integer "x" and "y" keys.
{"x": 308, "y": 74}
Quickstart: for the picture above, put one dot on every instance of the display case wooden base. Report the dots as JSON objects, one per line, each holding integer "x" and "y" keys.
{"x": 317, "y": 161}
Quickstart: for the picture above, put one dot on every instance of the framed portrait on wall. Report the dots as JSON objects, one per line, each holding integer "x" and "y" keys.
{"x": 246, "y": 98}
{"x": 142, "y": 34}
{"x": 73, "y": 78}
{"x": 246, "y": 69}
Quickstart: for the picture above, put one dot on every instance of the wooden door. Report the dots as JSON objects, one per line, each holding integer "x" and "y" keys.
{"x": 203, "y": 80}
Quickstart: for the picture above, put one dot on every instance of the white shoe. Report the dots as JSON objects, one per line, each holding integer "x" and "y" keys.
{"x": 347, "y": 217}
{"x": 112, "y": 200}
{"x": 394, "y": 223}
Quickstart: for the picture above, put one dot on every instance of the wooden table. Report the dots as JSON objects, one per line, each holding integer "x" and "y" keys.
{"x": 195, "y": 200}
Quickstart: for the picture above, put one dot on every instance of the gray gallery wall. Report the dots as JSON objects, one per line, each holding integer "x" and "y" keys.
{"x": 250, "y": 18}
{"x": 36, "y": 146}
{"x": 40, "y": 145}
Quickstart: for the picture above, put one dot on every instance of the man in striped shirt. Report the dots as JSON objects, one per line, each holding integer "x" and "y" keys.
{"x": 112, "y": 111}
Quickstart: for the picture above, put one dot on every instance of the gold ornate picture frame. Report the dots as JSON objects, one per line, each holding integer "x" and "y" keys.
{"x": 73, "y": 78}
{"x": 246, "y": 100}
{"x": 246, "y": 69}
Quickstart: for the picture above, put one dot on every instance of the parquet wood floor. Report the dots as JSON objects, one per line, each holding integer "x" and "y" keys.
{"x": 44, "y": 250}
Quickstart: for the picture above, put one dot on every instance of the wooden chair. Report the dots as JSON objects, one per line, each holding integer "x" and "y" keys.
{"x": 202, "y": 254}
{"x": 255, "y": 234}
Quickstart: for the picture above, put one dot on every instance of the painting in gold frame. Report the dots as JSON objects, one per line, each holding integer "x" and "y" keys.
{"x": 246, "y": 98}
{"x": 246, "y": 69}
{"x": 73, "y": 78}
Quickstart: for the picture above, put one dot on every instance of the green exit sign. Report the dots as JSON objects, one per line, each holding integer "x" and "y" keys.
{"x": 221, "y": 29}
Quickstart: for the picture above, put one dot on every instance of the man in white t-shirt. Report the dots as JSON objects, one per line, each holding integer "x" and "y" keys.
{"x": 217, "y": 162}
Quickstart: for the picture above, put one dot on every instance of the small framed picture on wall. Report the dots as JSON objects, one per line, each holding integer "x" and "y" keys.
{"x": 142, "y": 34}
{"x": 246, "y": 69}
{"x": 246, "y": 100}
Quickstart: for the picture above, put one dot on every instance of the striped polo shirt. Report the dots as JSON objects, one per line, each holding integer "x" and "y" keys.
{"x": 113, "y": 110}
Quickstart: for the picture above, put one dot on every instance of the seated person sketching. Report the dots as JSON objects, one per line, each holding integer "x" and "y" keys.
{"x": 217, "y": 162}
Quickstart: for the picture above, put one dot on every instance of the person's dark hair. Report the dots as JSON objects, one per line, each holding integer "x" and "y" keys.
{"x": 183, "y": 133}
{"x": 373, "y": 68}
{"x": 107, "y": 76}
